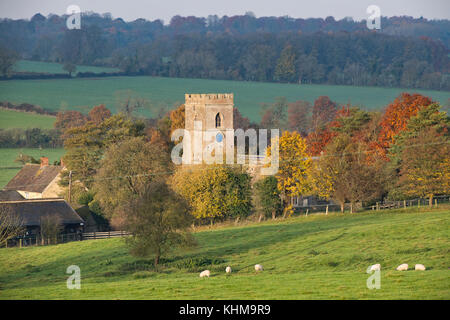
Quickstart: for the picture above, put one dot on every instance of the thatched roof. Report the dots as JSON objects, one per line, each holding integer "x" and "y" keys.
{"x": 33, "y": 178}
{"x": 31, "y": 211}
{"x": 10, "y": 195}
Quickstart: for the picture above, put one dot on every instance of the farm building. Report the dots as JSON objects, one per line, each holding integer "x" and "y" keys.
{"x": 37, "y": 181}
{"x": 10, "y": 195}
{"x": 33, "y": 212}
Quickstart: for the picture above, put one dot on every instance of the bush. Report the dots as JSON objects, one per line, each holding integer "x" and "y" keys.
{"x": 85, "y": 198}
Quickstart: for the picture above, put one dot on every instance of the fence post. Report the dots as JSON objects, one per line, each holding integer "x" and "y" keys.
{"x": 404, "y": 204}
{"x": 20, "y": 243}
{"x": 307, "y": 212}
{"x": 418, "y": 204}
{"x": 378, "y": 206}
{"x": 435, "y": 203}
{"x": 326, "y": 210}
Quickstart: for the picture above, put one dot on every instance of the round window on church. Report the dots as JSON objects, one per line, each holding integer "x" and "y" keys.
{"x": 219, "y": 137}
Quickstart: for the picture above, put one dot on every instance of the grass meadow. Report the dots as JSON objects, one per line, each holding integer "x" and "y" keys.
{"x": 56, "y": 68}
{"x": 82, "y": 94}
{"x": 17, "y": 119}
{"x": 9, "y": 168}
{"x": 313, "y": 257}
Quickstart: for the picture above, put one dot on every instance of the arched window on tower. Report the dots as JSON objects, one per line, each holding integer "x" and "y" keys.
{"x": 218, "y": 121}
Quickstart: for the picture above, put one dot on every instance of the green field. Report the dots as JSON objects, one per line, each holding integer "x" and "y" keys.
{"x": 52, "y": 67}
{"x": 314, "y": 257}
{"x": 18, "y": 119}
{"x": 83, "y": 94}
{"x": 9, "y": 168}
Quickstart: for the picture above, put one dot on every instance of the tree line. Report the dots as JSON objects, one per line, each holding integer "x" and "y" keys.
{"x": 318, "y": 51}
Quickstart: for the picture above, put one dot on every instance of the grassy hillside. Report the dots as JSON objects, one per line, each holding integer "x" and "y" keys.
{"x": 320, "y": 257}
{"x": 82, "y": 94}
{"x": 51, "y": 67}
{"x": 17, "y": 119}
{"x": 8, "y": 155}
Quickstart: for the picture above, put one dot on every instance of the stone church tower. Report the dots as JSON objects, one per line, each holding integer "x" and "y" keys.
{"x": 209, "y": 120}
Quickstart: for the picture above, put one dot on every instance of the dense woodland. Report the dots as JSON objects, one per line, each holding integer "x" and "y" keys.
{"x": 406, "y": 52}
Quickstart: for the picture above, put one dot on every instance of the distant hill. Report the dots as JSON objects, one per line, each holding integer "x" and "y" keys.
{"x": 406, "y": 52}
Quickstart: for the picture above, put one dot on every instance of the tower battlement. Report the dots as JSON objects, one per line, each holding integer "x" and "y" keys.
{"x": 209, "y": 98}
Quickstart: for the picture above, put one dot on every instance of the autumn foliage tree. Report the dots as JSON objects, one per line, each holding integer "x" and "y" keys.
{"x": 275, "y": 115}
{"x": 323, "y": 112}
{"x": 239, "y": 121}
{"x": 99, "y": 113}
{"x": 268, "y": 196}
{"x": 126, "y": 170}
{"x": 418, "y": 156}
{"x": 85, "y": 145}
{"x": 69, "y": 119}
{"x": 285, "y": 67}
{"x": 294, "y": 164}
{"x": 177, "y": 118}
{"x": 425, "y": 165}
{"x": 344, "y": 175}
{"x": 298, "y": 116}
{"x": 159, "y": 222}
{"x": 214, "y": 192}
{"x": 397, "y": 115}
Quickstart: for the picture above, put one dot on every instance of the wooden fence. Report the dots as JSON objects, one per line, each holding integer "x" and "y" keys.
{"x": 104, "y": 235}
{"x": 37, "y": 240}
{"x": 402, "y": 204}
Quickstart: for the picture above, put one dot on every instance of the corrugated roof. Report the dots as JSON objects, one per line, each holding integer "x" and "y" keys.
{"x": 33, "y": 178}
{"x": 31, "y": 211}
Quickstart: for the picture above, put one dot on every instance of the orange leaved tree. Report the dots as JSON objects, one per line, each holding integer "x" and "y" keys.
{"x": 397, "y": 115}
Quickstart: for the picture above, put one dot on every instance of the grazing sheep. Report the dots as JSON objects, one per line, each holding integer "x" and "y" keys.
{"x": 375, "y": 267}
{"x": 228, "y": 269}
{"x": 419, "y": 267}
{"x": 205, "y": 273}
{"x": 258, "y": 267}
{"x": 402, "y": 267}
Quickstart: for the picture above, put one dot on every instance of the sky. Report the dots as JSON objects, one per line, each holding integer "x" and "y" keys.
{"x": 165, "y": 9}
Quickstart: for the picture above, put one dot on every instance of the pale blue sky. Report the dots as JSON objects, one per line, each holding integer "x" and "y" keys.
{"x": 165, "y": 9}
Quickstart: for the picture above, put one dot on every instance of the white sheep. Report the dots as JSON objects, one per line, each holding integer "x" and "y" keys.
{"x": 402, "y": 267}
{"x": 228, "y": 269}
{"x": 375, "y": 267}
{"x": 258, "y": 267}
{"x": 419, "y": 267}
{"x": 205, "y": 273}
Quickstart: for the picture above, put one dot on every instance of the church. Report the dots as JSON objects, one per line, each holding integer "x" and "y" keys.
{"x": 209, "y": 122}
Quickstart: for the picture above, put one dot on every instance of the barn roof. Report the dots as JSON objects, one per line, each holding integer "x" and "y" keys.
{"x": 10, "y": 195}
{"x": 31, "y": 211}
{"x": 33, "y": 178}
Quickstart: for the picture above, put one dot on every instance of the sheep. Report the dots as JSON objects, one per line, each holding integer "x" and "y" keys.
{"x": 419, "y": 267}
{"x": 228, "y": 269}
{"x": 258, "y": 267}
{"x": 205, "y": 273}
{"x": 402, "y": 267}
{"x": 375, "y": 267}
